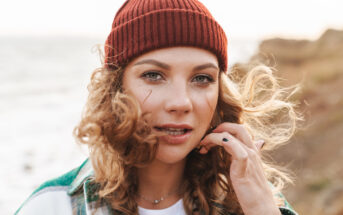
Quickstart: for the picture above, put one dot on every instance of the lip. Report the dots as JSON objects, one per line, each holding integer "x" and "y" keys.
{"x": 185, "y": 126}
{"x": 176, "y": 139}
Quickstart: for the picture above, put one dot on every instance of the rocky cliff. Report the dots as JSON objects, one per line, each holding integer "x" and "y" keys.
{"x": 315, "y": 154}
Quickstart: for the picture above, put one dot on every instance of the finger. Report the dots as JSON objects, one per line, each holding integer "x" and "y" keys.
{"x": 234, "y": 147}
{"x": 240, "y": 157}
{"x": 238, "y": 131}
{"x": 231, "y": 144}
{"x": 209, "y": 141}
{"x": 204, "y": 149}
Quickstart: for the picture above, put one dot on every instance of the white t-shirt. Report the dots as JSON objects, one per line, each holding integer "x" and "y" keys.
{"x": 59, "y": 203}
{"x": 175, "y": 209}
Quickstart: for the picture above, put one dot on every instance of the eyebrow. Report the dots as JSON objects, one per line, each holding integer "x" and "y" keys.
{"x": 205, "y": 66}
{"x": 167, "y": 67}
{"x": 153, "y": 62}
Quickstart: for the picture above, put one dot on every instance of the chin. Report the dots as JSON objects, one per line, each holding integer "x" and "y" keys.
{"x": 171, "y": 155}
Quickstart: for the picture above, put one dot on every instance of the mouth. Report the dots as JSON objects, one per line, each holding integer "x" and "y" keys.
{"x": 173, "y": 131}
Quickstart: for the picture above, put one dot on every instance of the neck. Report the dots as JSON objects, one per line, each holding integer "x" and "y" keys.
{"x": 160, "y": 180}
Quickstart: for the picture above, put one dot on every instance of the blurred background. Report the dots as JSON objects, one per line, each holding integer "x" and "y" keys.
{"x": 48, "y": 51}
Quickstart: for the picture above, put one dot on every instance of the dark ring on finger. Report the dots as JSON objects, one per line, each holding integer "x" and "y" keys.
{"x": 225, "y": 140}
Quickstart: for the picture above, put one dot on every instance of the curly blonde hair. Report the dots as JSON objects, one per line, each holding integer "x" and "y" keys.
{"x": 120, "y": 140}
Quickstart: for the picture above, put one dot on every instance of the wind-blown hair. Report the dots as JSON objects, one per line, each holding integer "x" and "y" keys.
{"x": 120, "y": 140}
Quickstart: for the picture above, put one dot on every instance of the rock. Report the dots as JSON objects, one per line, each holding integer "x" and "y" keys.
{"x": 331, "y": 201}
{"x": 288, "y": 51}
{"x": 318, "y": 66}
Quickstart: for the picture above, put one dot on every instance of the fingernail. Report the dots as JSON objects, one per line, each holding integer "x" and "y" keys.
{"x": 202, "y": 150}
{"x": 225, "y": 140}
{"x": 260, "y": 143}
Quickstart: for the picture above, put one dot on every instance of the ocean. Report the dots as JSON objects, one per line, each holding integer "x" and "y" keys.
{"x": 43, "y": 88}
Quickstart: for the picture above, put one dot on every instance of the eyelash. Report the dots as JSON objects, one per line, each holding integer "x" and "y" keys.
{"x": 147, "y": 75}
{"x": 208, "y": 78}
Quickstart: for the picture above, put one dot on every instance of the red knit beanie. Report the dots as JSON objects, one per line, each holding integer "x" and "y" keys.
{"x": 144, "y": 25}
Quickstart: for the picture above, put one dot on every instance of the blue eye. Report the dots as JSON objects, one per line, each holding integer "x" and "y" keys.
{"x": 152, "y": 76}
{"x": 203, "y": 79}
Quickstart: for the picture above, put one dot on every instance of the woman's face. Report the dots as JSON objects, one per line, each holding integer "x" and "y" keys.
{"x": 178, "y": 88}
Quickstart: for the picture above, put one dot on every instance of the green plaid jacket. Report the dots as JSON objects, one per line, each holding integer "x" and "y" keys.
{"x": 77, "y": 196}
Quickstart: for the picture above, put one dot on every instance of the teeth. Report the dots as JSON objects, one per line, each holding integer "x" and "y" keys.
{"x": 174, "y": 131}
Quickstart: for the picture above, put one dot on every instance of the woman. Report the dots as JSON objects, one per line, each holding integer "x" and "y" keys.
{"x": 169, "y": 130}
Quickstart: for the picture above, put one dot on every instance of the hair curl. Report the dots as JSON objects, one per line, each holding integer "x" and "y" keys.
{"x": 120, "y": 141}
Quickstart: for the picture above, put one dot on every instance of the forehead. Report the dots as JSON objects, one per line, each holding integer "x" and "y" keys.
{"x": 179, "y": 56}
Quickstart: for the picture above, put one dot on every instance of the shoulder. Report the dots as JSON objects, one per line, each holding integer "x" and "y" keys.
{"x": 54, "y": 196}
{"x": 50, "y": 201}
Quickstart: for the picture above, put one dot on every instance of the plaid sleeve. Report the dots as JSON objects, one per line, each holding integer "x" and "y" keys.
{"x": 286, "y": 208}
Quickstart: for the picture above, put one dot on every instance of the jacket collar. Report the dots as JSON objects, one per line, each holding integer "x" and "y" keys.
{"x": 85, "y": 172}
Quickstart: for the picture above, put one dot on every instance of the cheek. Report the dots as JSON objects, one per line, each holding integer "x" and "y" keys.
{"x": 212, "y": 100}
{"x": 148, "y": 98}
{"x": 146, "y": 95}
{"x": 206, "y": 101}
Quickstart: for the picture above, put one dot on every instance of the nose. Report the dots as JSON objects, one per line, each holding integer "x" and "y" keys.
{"x": 178, "y": 100}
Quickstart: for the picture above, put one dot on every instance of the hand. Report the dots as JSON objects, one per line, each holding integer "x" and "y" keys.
{"x": 246, "y": 171}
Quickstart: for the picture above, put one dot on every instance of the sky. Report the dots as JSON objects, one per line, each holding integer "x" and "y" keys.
{"x": 251, "y": 19}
